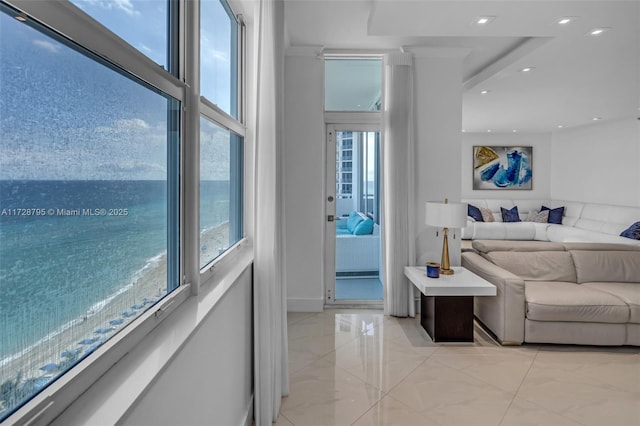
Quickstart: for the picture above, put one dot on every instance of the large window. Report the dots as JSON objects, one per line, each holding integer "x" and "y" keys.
{"x": 219, "y": 55}
{"x": 220, "y": 190}
{"x": 88, "y": 204}
{"x": 91, "y": 179}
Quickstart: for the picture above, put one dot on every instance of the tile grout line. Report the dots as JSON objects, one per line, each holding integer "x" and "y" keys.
{"x": 515, "y": 394}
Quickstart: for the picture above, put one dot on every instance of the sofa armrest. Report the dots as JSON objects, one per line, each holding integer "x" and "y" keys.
{"x": 504, "y": 313}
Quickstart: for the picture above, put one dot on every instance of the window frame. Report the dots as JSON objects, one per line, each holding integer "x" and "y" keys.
{"x": 73, "y": 24}
{"x": 221, "y": 118}
{"x": 63, "y": 390}
{"x": 211, "y": 106}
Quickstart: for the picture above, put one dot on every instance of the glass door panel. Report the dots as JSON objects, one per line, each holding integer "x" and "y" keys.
{"x": 353, "y": 159}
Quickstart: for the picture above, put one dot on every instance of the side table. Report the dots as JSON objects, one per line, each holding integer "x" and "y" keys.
{"x": 446, "y": 303}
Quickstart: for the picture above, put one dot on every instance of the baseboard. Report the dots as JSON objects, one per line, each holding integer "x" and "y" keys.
{"x": 305, "y": 305}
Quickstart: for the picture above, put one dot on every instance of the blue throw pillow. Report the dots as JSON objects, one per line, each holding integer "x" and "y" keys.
{"x": 555, "y": 215}
{"x": 632, "y": 232}
{"x": 510, "y": 215}
{"x": 353, "y": 221}
{"x": 364, "y": 228}
{"x": 474, "y": 212}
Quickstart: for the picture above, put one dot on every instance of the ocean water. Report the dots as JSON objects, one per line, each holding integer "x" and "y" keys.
{"x": 68, "y": 247}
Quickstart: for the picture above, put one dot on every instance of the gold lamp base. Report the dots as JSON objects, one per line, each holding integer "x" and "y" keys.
{"x": 445, "y": 266}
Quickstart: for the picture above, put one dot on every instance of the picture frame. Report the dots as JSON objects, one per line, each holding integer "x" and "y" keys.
{"x": 502, "y": 167}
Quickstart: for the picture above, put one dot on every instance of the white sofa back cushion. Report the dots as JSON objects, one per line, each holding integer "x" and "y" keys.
{"x": 610, "y": 220}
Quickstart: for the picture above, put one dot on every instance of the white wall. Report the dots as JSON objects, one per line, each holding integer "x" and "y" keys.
{"x": 438, "y": 112}
{"x": 599, "y": 163}
{"x": 304, "y": 144}
{"x": 541, "y": 162}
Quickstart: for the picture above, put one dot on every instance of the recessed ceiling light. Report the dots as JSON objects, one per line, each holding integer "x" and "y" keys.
{"x": 527, "y": 69}
{"x": 483, "y": 20}
{"x": 560, "y": 126}
{"x": 514, "y": 131}
{"x": 463, "y": 130}
{"x": 597, "y": 118}
{"x": 484, "y": 92}
{"x": 598, "y": 31}
{"x": 489, "y": 130}
{"x": 566, "y": 19}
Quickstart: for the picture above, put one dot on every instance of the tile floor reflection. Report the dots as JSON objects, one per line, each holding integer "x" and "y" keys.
{"x": 358, "y": 367}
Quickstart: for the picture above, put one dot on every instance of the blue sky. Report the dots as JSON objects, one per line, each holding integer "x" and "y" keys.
{"x": 84, "y": 120}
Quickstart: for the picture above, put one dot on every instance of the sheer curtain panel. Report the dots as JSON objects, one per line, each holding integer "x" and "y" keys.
{"x": 398, "y": 248}
{"x": 269, "y": 296}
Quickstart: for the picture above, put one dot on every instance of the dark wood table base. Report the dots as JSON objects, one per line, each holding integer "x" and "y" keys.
{"x": 447, "y": 318}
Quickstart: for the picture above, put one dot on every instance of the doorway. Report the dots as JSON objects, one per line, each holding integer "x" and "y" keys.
{"x": 353, "y": 228}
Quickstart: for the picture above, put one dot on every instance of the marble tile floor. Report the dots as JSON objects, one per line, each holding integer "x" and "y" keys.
{"x": 358, "y": 367}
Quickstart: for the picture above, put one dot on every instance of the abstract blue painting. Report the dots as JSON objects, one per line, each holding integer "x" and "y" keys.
{"x": 502, "y": 167}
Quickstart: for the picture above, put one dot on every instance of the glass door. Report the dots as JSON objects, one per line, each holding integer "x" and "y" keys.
{"x": 352, "y": 267}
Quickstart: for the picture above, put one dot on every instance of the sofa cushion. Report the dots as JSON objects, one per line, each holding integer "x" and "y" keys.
{"x": 555, "y": 215}
{"x": 365, "y": 227}
{"x": 353, "y": 221}
{"x": 537, "y": 265}
{"x": 563, "y": 301}
{"x": 342, "y": 231}
{"x": 539, "y": 217}
{"x": 524, "y": 231}
{"x": 510, "y": 215}
{"x": 474, "y": 212}
{"x": 562, "y": 233}
{"x": 600, "y": 247}
{"x": 606, "y": 266}
{"x": 487, "y": 214}
{"x": 632, "y": 232}
{"x": 629, "y": 293}
{"x": 485, "y": 246}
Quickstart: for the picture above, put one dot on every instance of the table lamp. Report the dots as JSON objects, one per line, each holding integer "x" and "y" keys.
{"x": 446, "y": 215}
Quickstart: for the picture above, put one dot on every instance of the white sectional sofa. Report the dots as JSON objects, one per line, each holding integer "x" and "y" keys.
{"x": 582, "y": 222}
{"x": 569, "y": 293}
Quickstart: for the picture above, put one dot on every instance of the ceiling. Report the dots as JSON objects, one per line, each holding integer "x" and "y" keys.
{"x": 576, "y": 77}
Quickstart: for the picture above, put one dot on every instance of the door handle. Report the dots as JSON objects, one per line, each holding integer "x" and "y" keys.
{"x": 331, "y": 218}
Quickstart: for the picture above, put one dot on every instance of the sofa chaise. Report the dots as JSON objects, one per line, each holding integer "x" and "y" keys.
{"x": 581, "y": 222}
{"x": 568, "y": 293}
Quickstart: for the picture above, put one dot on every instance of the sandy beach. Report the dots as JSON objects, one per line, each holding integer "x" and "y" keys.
{"x": 52, "y": 355}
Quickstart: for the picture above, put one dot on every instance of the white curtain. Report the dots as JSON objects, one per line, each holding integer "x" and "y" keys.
{"x": 398, "y": 240}
{"x": 269, "y": 295}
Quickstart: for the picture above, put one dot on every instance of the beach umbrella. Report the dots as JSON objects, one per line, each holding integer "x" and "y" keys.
{"x": 71, "y": 353}
{"x": 50, "y": 368}
{"x": 88, "y": 341}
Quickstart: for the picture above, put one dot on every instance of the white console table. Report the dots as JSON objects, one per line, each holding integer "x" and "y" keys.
{"x": 447, "y": 302}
